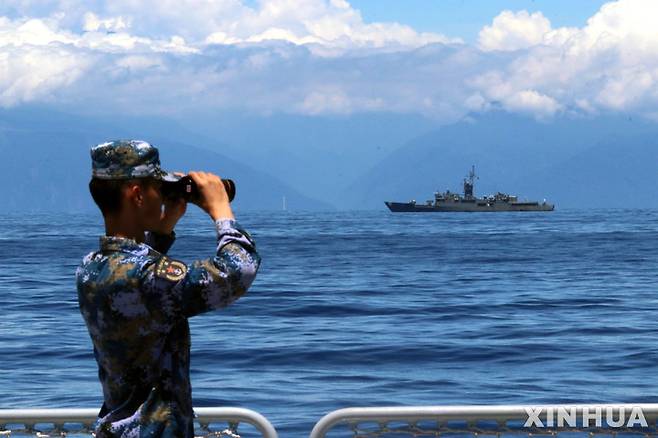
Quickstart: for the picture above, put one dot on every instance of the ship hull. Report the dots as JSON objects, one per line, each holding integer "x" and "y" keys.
{"x": 470, "y": 207}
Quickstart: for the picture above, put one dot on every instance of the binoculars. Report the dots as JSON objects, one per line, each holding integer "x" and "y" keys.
{"x": 187, "y": 189}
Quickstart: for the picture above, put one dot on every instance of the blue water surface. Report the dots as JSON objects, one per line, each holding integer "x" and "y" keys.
{"x": 367, "y": 309}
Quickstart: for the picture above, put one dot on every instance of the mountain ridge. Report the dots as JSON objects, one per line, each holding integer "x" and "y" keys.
{"x": 509, "y": 152}
{"x": 47, "y": 167}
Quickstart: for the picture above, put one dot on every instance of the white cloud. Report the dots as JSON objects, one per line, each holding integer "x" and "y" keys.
{"x": 140, "y": 62}
{"x": 277, "y": 33}
{"x": 319, "y": 57}
{"x": 92, "y": 23}
{"x": 329, "y": 22}
{"x": 532, "y": 102}
{"x": 221, "y": 38}
{"x": 127, "y": 38}
{"x": 332, "y": 101}
{"x": 31, "y": 32}
{"x": 36, "y": 61}
{"x": 513, "y": 31}
{"x": 609, "y": 64}
{"x": 629, "y": 86}
{"x": 37, "y": 73}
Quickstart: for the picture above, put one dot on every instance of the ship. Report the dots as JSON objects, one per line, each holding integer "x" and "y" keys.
{"x": 468, "y": 202}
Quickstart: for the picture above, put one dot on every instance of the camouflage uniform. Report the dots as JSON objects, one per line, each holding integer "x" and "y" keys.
{"x": 136, "y": 301}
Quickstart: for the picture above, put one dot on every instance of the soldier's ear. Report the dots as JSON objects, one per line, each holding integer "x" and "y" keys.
{"x": 135, "y": 194}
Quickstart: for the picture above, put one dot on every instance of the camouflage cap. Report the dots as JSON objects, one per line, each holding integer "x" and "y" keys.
{"x": 127, "y": 159}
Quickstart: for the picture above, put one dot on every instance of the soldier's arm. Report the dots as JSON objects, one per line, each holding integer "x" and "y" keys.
{"x": 218, "y": 281}
{"x": 209, "y": 284}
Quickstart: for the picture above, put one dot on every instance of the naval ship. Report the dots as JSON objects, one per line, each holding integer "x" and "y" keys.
{"x": 447, "y": 201}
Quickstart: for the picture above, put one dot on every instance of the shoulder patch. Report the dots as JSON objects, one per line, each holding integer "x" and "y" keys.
{"x": 169, "y": 269}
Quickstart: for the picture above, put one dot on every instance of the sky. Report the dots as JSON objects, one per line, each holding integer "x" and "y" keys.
{"x": 465, "y": 18}
{"x": 442, "y": 59}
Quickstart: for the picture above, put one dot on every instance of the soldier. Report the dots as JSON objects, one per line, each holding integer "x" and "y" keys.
{"x": 136, "y": 300}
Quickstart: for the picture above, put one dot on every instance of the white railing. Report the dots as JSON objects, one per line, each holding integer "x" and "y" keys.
{"x": 529, "y": 420}
{"x": 491, "y": 420}
{"x": 51, "y": 422}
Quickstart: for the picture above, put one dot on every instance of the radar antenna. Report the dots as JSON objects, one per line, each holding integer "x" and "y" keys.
{"x": 469, "y": 183}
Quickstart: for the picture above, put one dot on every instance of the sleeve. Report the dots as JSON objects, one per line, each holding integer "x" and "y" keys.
{"x": 205, "y": 285}
{"x": 160, "y": 242}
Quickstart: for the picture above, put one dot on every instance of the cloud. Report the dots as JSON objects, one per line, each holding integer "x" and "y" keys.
{"x": 31, "y": 32}
{"x": 38, "y": 74}
{"x": 92, "y": 23}
{"x": 236, "y": 47}
{"x": 335, "y": 100}
{"x": 36, "y": 61}
{"x": 327, "y": 22}
{"x": 532, "y": 102}
{"x": 513, "y": 31}
{"x": 321, "y": 57}
{"x": 610, "y": 64}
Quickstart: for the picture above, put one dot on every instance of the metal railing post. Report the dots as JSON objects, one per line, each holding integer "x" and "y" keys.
{"x": 207, "y": 415}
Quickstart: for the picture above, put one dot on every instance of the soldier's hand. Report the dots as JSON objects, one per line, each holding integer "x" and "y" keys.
{"x": 212, "y": 195}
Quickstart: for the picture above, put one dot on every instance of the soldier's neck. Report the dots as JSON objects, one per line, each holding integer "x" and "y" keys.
{"x": 120, "y": 227}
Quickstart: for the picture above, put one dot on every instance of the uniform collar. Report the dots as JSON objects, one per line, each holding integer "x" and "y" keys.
{"x": 124, "y": 244}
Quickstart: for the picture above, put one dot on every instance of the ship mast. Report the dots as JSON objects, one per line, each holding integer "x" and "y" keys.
{"x": 469, "y": 183}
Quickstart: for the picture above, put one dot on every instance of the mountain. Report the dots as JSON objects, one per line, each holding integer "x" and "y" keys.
{"x": 45, "y": 162}
{"x": 352, "y": 162}
{"x": 618, "y": 172}
{"x": 318, "y": 155}
{"x": 574, "y": 162}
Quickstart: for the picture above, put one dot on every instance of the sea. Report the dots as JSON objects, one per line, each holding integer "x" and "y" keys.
{"x": 367, "y": 308}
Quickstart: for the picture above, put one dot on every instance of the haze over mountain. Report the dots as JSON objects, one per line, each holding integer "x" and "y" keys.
{"x": 317, "y": 155}
{"x": 609, "y": 161}
{"x": 329, "y": 162}
{"x": 46, "y": 164}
